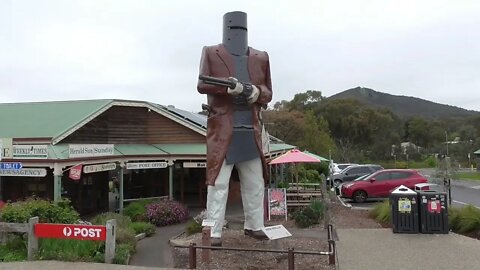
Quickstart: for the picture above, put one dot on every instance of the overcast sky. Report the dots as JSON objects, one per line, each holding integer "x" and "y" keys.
{"x": 150, "y": 50}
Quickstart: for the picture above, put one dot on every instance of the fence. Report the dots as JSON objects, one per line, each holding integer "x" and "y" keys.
{"x": 29, "y": 228}
{"x": 192, "y": 251}
{"x": 37, "y": 230}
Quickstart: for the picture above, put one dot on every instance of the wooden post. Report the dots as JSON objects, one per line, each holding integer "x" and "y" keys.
{"x": 32, "y": 246}
{"x": 110, "y": 241}
{"x": 206, "y": 241}
{"x": 192, "y": 256}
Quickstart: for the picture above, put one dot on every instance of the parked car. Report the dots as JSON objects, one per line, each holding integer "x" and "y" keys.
{"x": 352, "y": 172}
{"x": 338, "y": 167}
{"x": 379, "y": 184}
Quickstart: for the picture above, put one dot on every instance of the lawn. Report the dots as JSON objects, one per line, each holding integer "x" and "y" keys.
{"x": 468, "y": 175}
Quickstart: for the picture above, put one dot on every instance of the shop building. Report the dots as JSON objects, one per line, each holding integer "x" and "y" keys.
{"x": 102, "y": 154}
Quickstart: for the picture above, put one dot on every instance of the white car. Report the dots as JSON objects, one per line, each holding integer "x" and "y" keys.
{"x": 336, "y": 168}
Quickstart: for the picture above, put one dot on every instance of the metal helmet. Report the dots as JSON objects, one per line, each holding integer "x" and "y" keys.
{"x": 235, "y": 34}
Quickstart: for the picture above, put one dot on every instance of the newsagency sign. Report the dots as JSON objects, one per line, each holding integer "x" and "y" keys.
{"x": 27, "y": 172}
{"x": 90, "y": 150}
{"x": 30, "y": 151}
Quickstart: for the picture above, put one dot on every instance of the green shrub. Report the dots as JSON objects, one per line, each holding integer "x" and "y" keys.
{"x": 469, "y": 219}
{"x": 454, "y": 218}
{"x": 125, "y": 234}
{"x": 136, "y": 211}
{"x": 101, "y": 219}
{"x": 317, "y": 206}
{"x": 382, "y": 212}
{"x": 122, "y": 254}
{"x": 47, "y": 211}
{"x": 283, "y": 184}
{"x": 431, "y": 162}
{"x": 143, "y": 227}
{"x": 309, "y": 215}
{"x": 70, "y": 250}
{"x": 193, "y": 227}
{"x": 14, "y": 250}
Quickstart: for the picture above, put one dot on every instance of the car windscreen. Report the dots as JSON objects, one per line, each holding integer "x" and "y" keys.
{"x": 362, "y": 177}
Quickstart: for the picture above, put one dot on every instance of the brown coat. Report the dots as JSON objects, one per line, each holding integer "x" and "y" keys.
{"x": 217, "y": 62}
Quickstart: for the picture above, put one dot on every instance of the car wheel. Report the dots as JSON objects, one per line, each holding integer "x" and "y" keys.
{"x": 360, "y": 196}
{"x": 336, "y": 183}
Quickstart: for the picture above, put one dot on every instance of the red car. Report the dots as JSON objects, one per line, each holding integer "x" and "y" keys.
{"x": 380, "y": 183}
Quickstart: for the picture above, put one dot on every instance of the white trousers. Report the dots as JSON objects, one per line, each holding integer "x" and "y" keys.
{"x": 252, "y": 188}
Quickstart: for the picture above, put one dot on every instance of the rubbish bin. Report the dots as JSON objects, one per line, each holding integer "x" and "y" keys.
{"x": 433, "y": 211}
{"x": 404, "y": 210}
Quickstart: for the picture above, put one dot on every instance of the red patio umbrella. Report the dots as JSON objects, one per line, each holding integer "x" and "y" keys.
{"x": 294, "y": 156}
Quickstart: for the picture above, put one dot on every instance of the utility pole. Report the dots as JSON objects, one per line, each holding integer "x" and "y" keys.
{"x": 446, "y": 141}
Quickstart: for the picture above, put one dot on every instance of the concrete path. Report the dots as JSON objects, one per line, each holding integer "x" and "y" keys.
{"x": 155, "y": 251}
{"x": 379, "y": 249}
{"x": 55, "y": 265}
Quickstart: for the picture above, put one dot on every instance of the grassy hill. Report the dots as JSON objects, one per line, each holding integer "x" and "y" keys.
{"x": 403, "y": 106}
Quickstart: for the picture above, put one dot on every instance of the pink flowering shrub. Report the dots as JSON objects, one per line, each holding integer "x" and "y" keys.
{"x": 166, "y": 213}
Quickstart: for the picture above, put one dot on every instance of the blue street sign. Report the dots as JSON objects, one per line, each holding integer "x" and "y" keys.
{"x": 10, "y": 165}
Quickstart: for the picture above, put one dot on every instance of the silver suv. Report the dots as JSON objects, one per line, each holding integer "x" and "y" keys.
{"x": 352, "y": 172}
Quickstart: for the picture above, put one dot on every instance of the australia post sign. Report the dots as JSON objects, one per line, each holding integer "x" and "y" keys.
{"x": 71, "y": 231}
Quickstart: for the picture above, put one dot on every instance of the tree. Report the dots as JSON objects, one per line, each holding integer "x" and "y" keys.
{"x": 285, "y": 125}
{"x": 316, "y": 135}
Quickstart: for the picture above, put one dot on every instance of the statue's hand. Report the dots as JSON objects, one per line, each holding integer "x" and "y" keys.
{"x": 254, "y": 96}
{"x": 238, "y": 87}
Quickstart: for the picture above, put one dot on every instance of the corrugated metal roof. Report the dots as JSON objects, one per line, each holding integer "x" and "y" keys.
{"x": 44, "y": 119}
{"x": 275, "y": 147}
{"x": 477, "y": 152}
{"x": 198, "y": 119}
{"x": 184, "y": 148}
{"x": 139, "y": 149}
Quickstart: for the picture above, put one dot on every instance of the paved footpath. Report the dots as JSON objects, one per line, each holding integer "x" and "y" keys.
{"x": 380, "y": 249}
{"x": 55, "y": 265}
{"x": 155, "y": 251}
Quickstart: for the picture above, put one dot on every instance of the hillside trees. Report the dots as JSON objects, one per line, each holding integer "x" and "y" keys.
{"x": 361, "y": 132}
{"x": 356, "y": 132}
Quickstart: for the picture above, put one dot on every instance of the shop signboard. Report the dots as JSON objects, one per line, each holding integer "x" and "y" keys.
{"x": 29, "y": 151}
{"x": 146, "y": 165}
{"x": 90, "y": 150}
{"x": 71, "y": 231}
{"x": 194, "y": 164}
{"x": 28, "y": 172}
{"x": 5, "y": 148}
{"x": 99, "y": 168}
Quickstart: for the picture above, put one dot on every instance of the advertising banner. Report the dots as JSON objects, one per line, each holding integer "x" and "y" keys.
{"x": 277, "y": 202}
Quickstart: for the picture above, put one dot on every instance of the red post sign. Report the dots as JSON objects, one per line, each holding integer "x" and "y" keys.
{"x": 71, "y": 231}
